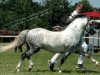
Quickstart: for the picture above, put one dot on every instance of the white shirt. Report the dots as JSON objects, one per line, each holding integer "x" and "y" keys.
{"x": 84, "y": 46}
{"x": 75, "y": 13}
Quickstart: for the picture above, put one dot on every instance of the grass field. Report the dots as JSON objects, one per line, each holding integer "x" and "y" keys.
{"x": 9, "y": 60}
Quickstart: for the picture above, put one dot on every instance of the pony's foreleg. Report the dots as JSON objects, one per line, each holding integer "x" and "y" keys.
{"x": 63, "y": 60}
{"x": 53, "y": 61}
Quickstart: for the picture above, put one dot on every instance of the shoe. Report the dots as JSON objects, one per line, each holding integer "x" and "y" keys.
{"x": 51, "y": 65}
{"x": 80, "y": 66}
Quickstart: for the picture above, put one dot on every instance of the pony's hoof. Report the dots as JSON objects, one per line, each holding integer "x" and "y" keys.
{"x": 17, "y": 70}
{"x": 29, "y": 69}
{"x": 51, "y": 65}
{"x": 60, "y": 71}
{"x": 80, "y": 67}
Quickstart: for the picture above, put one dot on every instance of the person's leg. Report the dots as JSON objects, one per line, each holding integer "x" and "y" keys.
{"x": 80, "y": 61}
{"x": 81, "y": 56}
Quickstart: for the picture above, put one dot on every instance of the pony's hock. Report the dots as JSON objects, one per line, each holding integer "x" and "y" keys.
{"x": 57, "y": 42}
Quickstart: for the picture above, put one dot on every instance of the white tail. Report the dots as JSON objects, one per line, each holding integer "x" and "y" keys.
{"x": 21, "y": 39}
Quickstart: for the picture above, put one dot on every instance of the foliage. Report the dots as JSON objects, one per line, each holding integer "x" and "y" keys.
{"x": 87, "y": 6}
{"x": 14, "y": 10}
{"x": 14, "y": 13}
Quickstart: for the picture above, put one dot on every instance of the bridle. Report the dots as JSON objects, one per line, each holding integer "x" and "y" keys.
{"x": 91, "y": 26}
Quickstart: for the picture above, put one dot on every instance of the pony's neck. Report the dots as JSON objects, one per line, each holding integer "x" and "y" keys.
{"x": 77, "y": 28}
{"x": 77, "y": 24}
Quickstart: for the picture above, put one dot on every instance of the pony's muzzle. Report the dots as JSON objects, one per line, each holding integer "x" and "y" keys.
{"x": 92, "y": 32}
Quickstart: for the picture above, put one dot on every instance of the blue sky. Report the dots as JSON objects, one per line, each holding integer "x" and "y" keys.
{"x": 94, "y": 3}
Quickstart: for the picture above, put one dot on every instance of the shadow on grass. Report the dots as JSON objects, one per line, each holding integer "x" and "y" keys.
{"x": 88, "y": 71}
{"x": 64, "y": 71}
{"x": 39, "y": 70}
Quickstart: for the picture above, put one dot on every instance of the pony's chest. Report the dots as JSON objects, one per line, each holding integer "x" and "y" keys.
{"x": 73, "y": 40}
{"x": 54, "y": 49}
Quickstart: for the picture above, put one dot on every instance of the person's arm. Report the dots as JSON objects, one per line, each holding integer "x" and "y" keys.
{"x": 72, "y": 16}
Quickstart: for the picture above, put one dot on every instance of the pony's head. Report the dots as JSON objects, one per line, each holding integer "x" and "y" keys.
{"x": 85, "y": 23}
{"x": 88, "y": 24}
{"x": 90, "y": 27}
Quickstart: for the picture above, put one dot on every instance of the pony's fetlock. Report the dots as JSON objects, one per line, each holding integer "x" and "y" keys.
{"x": 59, "y": 69}
{"x": 17, "y": 69}
{"x": 30, "y": 67}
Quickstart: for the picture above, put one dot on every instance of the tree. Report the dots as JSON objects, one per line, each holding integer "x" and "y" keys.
{"x": 87, "y": 6}
{"x": 58, "y": 10}
{"x": 16, "y": 9}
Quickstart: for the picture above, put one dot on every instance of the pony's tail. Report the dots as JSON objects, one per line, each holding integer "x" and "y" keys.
{"x": 21, "y": 39}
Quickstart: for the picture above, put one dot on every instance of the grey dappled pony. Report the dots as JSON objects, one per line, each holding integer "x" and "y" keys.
{"x": 65, "y": 42}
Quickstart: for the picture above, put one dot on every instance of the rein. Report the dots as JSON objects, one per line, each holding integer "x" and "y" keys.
{"x": 87, "y": 24}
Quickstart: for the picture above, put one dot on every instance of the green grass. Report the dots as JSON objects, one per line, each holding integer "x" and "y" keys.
{"x": 9, "y": 60}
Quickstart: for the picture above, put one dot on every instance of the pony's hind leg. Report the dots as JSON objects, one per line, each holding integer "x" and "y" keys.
{"x": 27, "y": 54}
{"x": 32, "y": 51}
{"x": 23, "y": 56}
{"x": 30, "y": 62}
